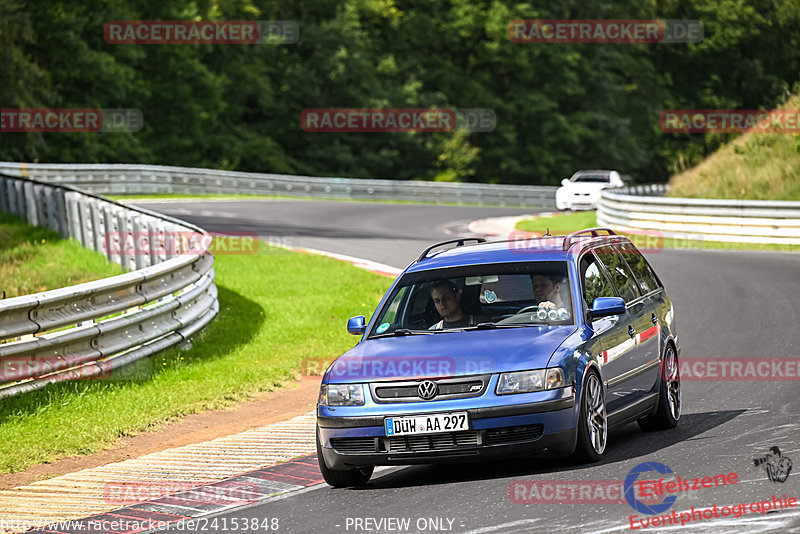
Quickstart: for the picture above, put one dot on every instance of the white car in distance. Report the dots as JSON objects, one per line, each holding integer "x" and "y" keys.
{"x": 582, "y": 191}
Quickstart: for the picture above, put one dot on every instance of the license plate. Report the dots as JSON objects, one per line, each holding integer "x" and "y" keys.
{"x": 426, "y": 424}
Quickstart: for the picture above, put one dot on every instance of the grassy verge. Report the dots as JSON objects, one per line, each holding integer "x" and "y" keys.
{"x": 277, "y": 308}
{"x": 757, "y": 166}
{"x": 34, "y": 259}
{"x": 563, "y": 224}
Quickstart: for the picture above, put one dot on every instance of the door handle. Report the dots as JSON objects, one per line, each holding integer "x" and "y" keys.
{"x": 631, "y": 331}
{"x": 654, "y": 319}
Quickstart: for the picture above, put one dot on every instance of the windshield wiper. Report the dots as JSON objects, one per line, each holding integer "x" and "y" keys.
{"x": 402, "y": 332}
{"x": 488, "y": 326}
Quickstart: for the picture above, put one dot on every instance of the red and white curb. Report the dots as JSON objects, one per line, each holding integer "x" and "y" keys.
{"x": 102, "y": 490}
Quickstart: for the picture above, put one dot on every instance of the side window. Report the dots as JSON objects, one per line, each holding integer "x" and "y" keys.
{"x": 595, "y": 283}
{"x": 641, "y": 270}
{"x": 620, "y": 273}
{"x": 391, "y": 312}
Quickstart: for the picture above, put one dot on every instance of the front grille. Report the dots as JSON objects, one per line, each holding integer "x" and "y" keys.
{"x": 437, "y": 442}
{"x": 449, "y": 388}
{"x": 354, "y": 445}
{"x": 498, "y": 436}
{"x": 433, "y": 442}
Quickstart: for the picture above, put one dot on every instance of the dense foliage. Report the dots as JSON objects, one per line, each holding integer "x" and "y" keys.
{"x": 559, "y": 107}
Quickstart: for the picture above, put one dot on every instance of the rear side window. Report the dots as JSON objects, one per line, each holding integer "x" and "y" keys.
{"x": 621, "y": 275}
{"x": 595, "y": 282}
{"x": 641, "y": 270}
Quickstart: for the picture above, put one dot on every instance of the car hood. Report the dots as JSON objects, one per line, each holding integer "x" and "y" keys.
{"x": 448, "y": 354}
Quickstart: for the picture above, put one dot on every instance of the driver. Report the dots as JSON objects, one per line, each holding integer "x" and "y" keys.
{"x": 546, "y": 291}
{"x": 447, "y": 300}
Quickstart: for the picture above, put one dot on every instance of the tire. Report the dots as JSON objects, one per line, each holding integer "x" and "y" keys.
{"x": 670, "y": 401}
{"x": 342, "y": 478}
{"x": 592, "y": 431}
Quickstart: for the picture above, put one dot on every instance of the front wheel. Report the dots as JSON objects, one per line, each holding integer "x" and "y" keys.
{"x": 342, "y": 478}
{"x": 592, "y": 422}
{"x": 669, "y": 395}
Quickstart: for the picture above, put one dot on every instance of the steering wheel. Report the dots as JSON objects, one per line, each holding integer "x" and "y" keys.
{"x": 529, "y": 308}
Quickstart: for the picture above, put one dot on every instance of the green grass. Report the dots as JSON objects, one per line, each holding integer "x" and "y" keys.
{"x": 570, "y": 222}
{"x": 34, "y": 259}
{"x": 277, "y": 309}
{"x": 559, "y": 224}
{"x": 756, "y": 166}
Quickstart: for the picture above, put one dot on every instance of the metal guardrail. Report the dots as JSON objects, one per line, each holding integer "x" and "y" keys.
{"x": 123, "y": 179}
{"x": 95, "y": 328}
{"x": 733, "y": 221}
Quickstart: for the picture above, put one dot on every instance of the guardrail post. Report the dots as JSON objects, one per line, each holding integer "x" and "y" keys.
{"x": 4, "y": 195}
{"x": 123, "y": 231}
{"x": 139, "y": 257}
{"x": 110, "y": 236}
{"x": 19, "y": 199}
{"x": 29, "y": 200}
{"x": 86, "y": 235}
{"x": 62, "y": 219}
{"x": 155, "y": 238}
{"x": 97, "y": 234}
{"x": 50, "y": 208}
{"x": 39, "y": 204}
{"x": 73, "y": 218}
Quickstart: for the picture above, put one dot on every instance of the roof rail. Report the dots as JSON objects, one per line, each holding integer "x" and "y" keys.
{"x": 593, "y": 231}
{"x": 459, "y": 243}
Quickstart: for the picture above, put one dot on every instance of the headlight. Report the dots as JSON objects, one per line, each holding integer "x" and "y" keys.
{"x": 341, "y": 395}
{"x": 529, "y": 381}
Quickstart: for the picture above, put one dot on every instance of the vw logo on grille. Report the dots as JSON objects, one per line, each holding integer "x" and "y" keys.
{"x": 427, "y": 390}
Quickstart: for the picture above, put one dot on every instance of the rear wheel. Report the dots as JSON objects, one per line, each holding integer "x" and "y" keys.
{"x": 669, "y": 395}
{"x": 342, "y": 478}
{"x": 592, "y": 422}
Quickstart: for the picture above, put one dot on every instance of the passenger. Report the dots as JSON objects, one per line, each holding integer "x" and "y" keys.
{"x": 546, "y": 291}
{"x": 447, "y": 300}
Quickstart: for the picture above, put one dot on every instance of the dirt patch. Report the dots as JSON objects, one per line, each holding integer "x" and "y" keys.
{"x": 295, "y": 398}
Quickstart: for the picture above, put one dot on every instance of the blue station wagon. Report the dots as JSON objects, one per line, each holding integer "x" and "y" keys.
{"x": 516, "y": 348}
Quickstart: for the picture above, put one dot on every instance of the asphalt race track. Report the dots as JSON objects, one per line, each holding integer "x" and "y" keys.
{"x": 728, "y": 304}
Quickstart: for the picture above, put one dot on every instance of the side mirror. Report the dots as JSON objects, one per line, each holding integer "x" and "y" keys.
{"x": 565, "y": 181}
{"x": 605, "y": 306}
{"x": 358, "y": 324}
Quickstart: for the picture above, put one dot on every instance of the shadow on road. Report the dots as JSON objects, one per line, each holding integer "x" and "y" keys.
{"x": 625, "y": 443}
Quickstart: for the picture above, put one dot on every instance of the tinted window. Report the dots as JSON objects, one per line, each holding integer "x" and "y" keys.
{"x": 595, "y": 282}
{"x": 641, "y": 270}
{"x": 530, "y": 293}
{"x": 620, "y": 273}
{"x": 592, "y": 178}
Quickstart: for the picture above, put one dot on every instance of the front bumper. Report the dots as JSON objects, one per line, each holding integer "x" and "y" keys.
{"x": 529, "y": 429}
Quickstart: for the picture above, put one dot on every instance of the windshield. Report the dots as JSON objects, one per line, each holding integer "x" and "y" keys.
{"x": 481, "y": 296}
{"x": 592, "y": 178}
